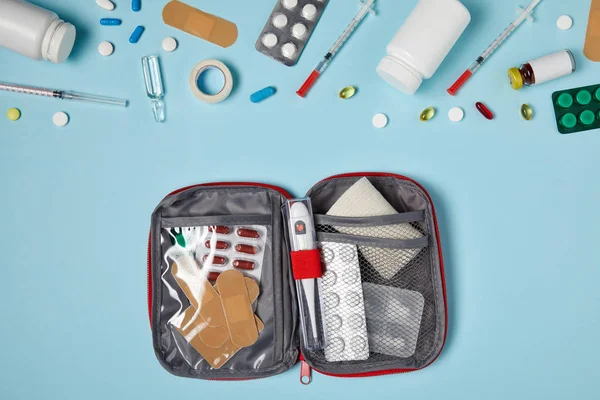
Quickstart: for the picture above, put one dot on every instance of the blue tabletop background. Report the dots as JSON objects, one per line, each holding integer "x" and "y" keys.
{"x": 517, "y": 201}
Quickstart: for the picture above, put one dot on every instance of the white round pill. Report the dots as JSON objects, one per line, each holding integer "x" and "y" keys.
{"x": 309, "y": 11}
{"x": 106, "y": 48}
{"x": 60, "y": 119}
{"x": 280, "y": 20}
{"x": 288, "y": 50}
{"x": 269, "y": 40}
{"x": 169, "y": 44}
{"x": 289, "y": 4}
{"x": 380, "y": 121}
{"x": 106, "y": 4}
{"x": 564, "y": 23}
{"x": 456, "y": 114}
{"x": 299, "y": 31}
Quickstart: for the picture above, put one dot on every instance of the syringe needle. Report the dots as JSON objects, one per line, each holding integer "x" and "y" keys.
{"x": 490, "y": 50}
{"x": 367, "y": 7}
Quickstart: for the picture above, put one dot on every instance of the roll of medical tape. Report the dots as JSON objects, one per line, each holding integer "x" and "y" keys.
{"x": 223, "y": 93}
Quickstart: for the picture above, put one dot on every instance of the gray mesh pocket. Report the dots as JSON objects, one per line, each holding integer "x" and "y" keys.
{"x": 389, "y": 320}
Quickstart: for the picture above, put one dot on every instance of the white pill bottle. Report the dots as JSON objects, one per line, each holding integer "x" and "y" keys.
{"x": 35, "y": 32}
{"x": 422, "y": 43}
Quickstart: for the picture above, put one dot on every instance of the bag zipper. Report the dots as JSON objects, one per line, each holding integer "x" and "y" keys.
{"x": 305, "y": 369}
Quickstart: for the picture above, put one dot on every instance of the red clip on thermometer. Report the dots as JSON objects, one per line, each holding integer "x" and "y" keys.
{"x": 299, "y": 217}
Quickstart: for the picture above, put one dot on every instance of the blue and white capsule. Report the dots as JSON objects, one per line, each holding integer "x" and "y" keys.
{"x": 136, "y": 34}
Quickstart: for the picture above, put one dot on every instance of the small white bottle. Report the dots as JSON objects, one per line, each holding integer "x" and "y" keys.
{"x": 422, "y": 43}
{"x": 35, "y": 32}
{"x": 543, "y": 69}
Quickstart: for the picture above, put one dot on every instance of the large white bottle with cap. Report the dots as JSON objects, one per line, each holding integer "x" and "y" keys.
{"x": 35, "y": 32}
{"x": 422, "y": 43}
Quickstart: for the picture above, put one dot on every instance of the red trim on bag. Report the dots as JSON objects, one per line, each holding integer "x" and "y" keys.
{"x": 306, "y": 264}
{"x": 288, "y": 196}
{"x": 439, "y": 246}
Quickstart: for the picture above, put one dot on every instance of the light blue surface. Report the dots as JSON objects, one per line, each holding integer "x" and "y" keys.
{"x": 517, "y": 202}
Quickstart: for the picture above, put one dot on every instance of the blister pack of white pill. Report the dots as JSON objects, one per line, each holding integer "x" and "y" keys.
{"x": 221, "y": 248}
{"x": 288, "y": 29}
{"x": 344, "y": 306}
{"x": 393, "y": 319}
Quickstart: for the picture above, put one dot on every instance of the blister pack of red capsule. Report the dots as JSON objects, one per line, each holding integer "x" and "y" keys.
{"x": 217, "y": 249}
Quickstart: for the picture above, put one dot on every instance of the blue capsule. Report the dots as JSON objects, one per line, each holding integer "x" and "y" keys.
{"x": 136, "y": 5}
{"x": 262, "y": 94}
{"x": 110, "y": 21}
{"x": 136, "y": 34}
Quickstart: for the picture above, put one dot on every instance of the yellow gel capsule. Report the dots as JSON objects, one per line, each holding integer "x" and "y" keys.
{"x": 526, "y": 112}
{"x": 13, "y": 114}
{"x": 427, "y": 114}
{"x": 347, "y": 92}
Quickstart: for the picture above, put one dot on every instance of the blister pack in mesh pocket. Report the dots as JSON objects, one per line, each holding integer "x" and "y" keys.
{"x": 393, "y": 319}
{"x": 345, "y": 325}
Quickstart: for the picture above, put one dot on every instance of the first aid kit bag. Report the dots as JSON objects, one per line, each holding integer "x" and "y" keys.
{"x": 231, "y": 296}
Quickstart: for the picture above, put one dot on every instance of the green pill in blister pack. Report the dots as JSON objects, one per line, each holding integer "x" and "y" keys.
{"x": 577, "y": 109}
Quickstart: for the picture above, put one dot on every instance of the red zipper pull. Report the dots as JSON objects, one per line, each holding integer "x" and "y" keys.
{"x": 305, "y": 372}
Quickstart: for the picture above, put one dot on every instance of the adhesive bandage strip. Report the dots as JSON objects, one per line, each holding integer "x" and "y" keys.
{"x": 206, "y": 26}
{"x": 591, "y": 49}
{"x": 237, "y": 308}
{"x": 202, "y": 296}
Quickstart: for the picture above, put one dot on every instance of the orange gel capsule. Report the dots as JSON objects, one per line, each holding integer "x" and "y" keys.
{"x": 213, "y": 275}
{"x": 217, "y": 260}
{"x": 220, "y": 245}
{"x": 222, "y": 230}
{"x": 246, "y": 249}
{"x": 242, "y": 264}
{"x": 248, "y": 233}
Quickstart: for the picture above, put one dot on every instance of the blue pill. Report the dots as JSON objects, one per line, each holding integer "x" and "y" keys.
{"x": 262, "y": 94}
{"x": 110, "y": 21}
{"x": 136, "y": 5}
{"x": 136, "y": 34}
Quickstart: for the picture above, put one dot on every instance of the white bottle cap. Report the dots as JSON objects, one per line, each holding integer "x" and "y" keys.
{"x": 58, "y": 41}
{"x": 399, "y": 75}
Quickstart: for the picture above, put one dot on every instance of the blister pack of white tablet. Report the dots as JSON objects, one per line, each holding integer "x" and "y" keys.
{"x": 288, "y": 29}
{"x": 393, "y": 319}
{"x": 345, "y": 322}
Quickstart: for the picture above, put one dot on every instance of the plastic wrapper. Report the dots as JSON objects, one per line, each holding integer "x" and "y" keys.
{"x": 217, "y": 271}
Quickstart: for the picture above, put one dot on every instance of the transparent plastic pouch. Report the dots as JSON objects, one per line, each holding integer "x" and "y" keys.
{"x": 217, "y": 273}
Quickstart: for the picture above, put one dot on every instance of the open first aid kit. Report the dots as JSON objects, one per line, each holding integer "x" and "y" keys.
{"x": 244, "y": 280}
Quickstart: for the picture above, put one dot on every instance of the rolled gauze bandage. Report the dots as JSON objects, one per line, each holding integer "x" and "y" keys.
{"x": 363, "y": 200}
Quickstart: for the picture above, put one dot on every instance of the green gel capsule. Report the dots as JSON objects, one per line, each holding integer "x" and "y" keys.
{"x": 597, "y": 94}
{"x": 587, "y": 117}
{"x": 347, "y": 92}
{"x": 565, "y": 100}
{"x": 526, "y": 112}
{"x": 584, "y": 97}
{"x": 427, "y": 114}
{"x": 568, "y": 121}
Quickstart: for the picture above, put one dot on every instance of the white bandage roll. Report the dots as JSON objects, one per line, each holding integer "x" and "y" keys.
{"x": 223, "y": 93}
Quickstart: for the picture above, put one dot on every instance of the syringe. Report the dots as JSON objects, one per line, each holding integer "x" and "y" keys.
{"x": 495, "y": 44}
{"x": 367, "y": 7}
{"x": 62, "y": 94}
